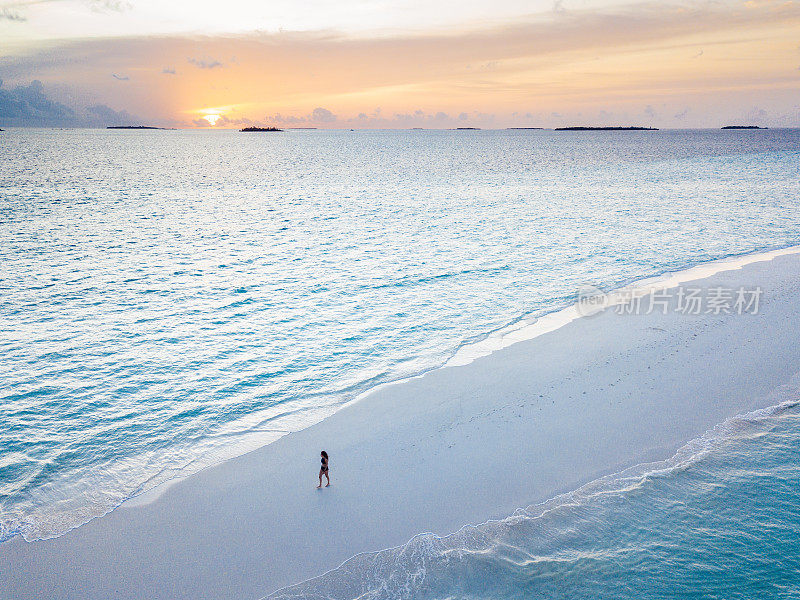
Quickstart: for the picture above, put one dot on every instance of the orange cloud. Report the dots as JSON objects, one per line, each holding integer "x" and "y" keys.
{"x": 613, "y": 60}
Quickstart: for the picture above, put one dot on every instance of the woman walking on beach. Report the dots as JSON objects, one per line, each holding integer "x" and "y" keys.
{"x": 324, "y": 469}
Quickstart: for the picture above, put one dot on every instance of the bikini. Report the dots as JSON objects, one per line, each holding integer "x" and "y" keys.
{"x": 324, "y": 465}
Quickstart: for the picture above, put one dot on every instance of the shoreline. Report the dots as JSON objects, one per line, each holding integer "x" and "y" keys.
{"x": 550, "y": 321}
{"x": 519, "y": 329}
{"x": 207, "y": 521}
{"x": 685, "y": 456}
{"x": 525, "y": 327}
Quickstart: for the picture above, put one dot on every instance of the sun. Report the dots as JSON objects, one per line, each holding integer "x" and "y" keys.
{"x": 212, "y": 118}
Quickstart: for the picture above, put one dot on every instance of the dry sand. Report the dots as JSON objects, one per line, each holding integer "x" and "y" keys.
{"x": 457, "y": 446}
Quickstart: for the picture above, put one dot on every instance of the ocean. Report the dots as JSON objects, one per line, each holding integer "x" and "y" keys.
{"x": 720, "y": 520}
{"x": 171, "y": 299}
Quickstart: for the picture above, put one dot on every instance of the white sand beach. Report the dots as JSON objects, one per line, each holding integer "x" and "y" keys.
{"x": 459, "y": 445}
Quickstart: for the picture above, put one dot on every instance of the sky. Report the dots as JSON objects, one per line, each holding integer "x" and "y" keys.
{"x": 399, "y": 63}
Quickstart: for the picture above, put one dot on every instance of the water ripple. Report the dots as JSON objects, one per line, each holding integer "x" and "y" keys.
{"x": 162, "y": 310}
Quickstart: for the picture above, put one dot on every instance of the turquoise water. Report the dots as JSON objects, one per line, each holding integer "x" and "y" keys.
{"x": 172, "y": 298}
{"x": 719, "y": 521}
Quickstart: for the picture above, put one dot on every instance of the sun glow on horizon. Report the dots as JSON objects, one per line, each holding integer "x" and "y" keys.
{"x": 735, "y": 60}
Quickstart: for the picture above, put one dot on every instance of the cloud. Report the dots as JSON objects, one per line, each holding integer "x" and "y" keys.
{"x": 318, "y": 115}
{"x": 7, "y": 14}
{"x": 322, "y": 115}
{"x": 484, "y": 118}
{"x": 109, "y": 5}
{"x": 682, "y": 114}
{"x": 699, "y": 54}
{"x": 225, "y": 121}
{"x": 541, "y": 69}
{"x": 101, "y": 115}
{"x": 205, "y": 63}
{"x": 376, "y": 119}
{"x": 650, "y": 112}
{"x": 756, "y": 114}
{"x": 286, "y": 120}
{"x": 29, "y": 106}
{"x": 120, "y": 77}
{"x": 168, "y": 71}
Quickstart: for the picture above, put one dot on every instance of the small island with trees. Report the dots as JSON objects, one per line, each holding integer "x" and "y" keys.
{"x": 743, "y": 127}
{"x": 133, "y": 127}
{"x": 249, "y": 129}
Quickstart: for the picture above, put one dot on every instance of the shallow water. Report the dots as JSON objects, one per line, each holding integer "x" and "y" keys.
{"x": 173, "y": 298}
{"x": 719, "y": 520}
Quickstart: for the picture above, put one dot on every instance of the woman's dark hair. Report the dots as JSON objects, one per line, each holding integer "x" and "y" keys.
{"x": 325, "y": 454}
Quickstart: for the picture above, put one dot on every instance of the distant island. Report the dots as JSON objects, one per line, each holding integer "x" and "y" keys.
{"x": 743, "y": 127}
{"x": 248, "y": 129}
{"x": 132, "y": 127}
{"x": 300, "y": 128}
{"x": 466, "y": 128}
{"x": 524, "y": 127}
{"x": 606, "y": 129}
{"x": 2, "y": 129}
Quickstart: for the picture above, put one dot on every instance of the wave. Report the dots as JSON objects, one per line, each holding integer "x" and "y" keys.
{"x": 419, "y": 280}
{"x": 582, "y": 534}
{"x": 259, "y": 428}
{"x": 531, "y": 325}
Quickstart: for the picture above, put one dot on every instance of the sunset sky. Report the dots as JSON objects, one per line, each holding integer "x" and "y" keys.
{"x": 399, "y": 63}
